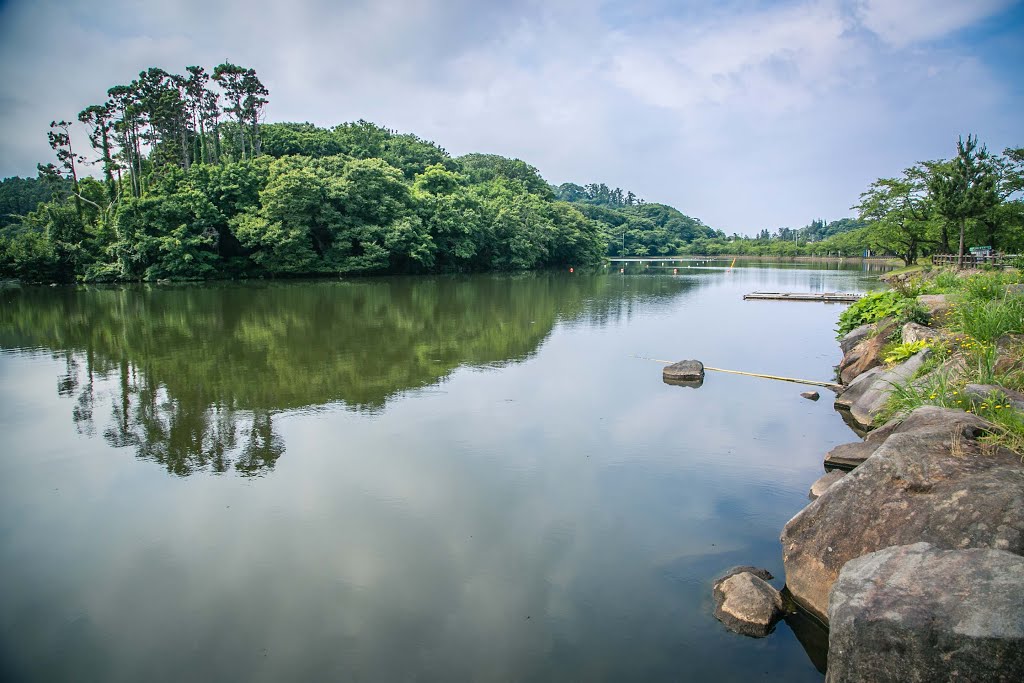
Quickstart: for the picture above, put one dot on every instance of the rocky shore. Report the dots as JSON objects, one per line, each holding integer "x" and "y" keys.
{"x": 912, "y": 549}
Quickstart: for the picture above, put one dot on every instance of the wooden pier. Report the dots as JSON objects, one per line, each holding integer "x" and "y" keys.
{"x": 826, "y": 297}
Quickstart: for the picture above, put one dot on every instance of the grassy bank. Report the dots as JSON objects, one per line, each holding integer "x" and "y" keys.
{"x": 978, "y": 338}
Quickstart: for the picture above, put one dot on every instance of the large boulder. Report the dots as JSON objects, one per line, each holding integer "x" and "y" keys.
{"x": 864, "y": 399}
{"x": 867, "y": 353}
{"x": 747, "y": 604}
{"x": 928, "y": 481}
{"x": 918, "y": 613}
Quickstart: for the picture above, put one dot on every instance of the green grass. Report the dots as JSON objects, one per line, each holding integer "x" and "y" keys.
{"x": 988, "y": 320}
{"x": 982, "y": 313}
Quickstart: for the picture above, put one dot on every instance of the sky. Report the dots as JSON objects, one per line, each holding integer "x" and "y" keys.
{"x": 746, "y": 114}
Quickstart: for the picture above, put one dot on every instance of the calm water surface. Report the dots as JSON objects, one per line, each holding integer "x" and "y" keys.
{"x": 433, "y": 479}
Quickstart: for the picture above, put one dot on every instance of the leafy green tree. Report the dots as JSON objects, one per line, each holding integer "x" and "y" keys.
{"x": 965, "y": 188}
{"x": 900, "y": 213}
{"x": 482, "y": 168}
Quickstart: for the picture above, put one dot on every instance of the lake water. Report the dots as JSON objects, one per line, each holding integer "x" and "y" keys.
{"x": 438, "y": 479}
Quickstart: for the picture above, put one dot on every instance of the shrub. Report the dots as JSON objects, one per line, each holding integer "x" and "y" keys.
{"x": 877, "y": 305}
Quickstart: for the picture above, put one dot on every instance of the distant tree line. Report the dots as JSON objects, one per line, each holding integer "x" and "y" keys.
{"x": 945, "y": 206}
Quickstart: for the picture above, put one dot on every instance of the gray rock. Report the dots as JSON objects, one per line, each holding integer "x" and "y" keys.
{"x": 684, "y": 371}
{"x": 1009, "y": 353}
{"x": 760, "y": 573}
{"x": 848, "y": 455}
{"x": 912, "y": 332}
{"x": 857, "y": 335}
{"x": 938, "y": 307}
{"x": 864, "y": 399}
{"x": 823, "y": 482}
{"x": 810, "y": 395}
{"x": 928, "y": 481}
{"x": 918, "y": 613}
{"x": 1015, "y": 289}
{"x": 979, "y": 393}
{"x": 867, "y": 353}
{"x": 747, "y": 604}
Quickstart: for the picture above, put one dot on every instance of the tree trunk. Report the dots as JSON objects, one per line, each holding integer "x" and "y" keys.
{"x": 255, "y": 137}
{"x": 960, "y": 254}
{"x": 185, "y": 161}
{"x": 74, "y": 178}
{"x": 202, "y": 142}
{"x": 107, "y": 162}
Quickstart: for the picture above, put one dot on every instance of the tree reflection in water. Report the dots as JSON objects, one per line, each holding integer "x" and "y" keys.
{"x": 194, "y": 375}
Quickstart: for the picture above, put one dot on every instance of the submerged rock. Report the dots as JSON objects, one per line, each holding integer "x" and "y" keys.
{"x": 811, "y": 395}
{"x": 918, "y": 613}
{"x": 824, "y": 482}
{"x": 684, "y": 371}
{"x": 747, "y": 604}
{"x": 928, "y": 481}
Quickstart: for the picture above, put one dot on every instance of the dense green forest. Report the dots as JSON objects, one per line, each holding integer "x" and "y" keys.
{"x": 190, "y": 185}
{"x": 182, "y": 180}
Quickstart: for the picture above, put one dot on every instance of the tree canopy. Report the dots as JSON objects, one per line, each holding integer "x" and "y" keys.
{"x": 192, "y": 184}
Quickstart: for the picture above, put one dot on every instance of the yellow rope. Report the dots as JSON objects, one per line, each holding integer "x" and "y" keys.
{"x": 829, "y": 385}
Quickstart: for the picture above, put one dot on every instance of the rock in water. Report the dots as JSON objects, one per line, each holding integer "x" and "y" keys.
{"x": 928, "y": 481}
{"x": 867, "y": 395}
{"x": 684, "y": 371}
{"x": 848, "y": 455}
{"x": 760, "y": 573}
{"x": 811, "y": 395}
{"x": 747, "y": 604}
{"x": 918, "y": 613}
{"x": 824, "y": 482}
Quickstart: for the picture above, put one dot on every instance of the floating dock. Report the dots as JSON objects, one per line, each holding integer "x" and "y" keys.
{"x": 827, "y": 297}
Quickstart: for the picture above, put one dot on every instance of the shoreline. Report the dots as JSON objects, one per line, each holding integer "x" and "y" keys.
{"x": 917, "y": 528}
{"x": 917, "y": 479}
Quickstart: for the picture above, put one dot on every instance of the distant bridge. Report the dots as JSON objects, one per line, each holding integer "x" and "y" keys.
{"x": 668, "y": 259}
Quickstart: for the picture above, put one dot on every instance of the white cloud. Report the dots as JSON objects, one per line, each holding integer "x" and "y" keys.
{"x": 903, "y": 22}
{"x": 745, "y": 118}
